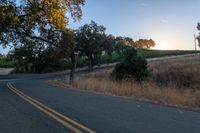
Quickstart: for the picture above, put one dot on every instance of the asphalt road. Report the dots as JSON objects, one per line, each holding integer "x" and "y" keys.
{"x": 96, "y": 112}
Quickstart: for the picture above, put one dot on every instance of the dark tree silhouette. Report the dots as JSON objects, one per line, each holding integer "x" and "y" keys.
{"x": 145, "y": 43}
{"x": 90, "y": 40}
{"x": 198, "y": 38}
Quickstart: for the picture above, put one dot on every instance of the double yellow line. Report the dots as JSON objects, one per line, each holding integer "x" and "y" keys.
{"x": 62, "y": 119}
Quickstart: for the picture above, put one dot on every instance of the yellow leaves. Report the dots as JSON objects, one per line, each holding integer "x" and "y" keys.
{"x": 55, "y": 10}
{"x": 15, "y": 20}
{"x": 57, "y": 17}
{"x": 8, "y": 16}
{"x": 5, "y": 11}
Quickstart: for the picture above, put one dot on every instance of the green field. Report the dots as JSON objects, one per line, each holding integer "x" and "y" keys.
{"x": 161, "y": 53}
{"x": 148, "y": 54}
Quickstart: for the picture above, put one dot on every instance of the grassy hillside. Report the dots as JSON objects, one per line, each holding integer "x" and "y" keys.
{"x": 148, "y": 54}
{"x": 160, "y": 53}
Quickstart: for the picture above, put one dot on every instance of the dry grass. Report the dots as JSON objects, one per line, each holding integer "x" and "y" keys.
{"x": 168, "y": 90}
{"x": 183, "y": 73}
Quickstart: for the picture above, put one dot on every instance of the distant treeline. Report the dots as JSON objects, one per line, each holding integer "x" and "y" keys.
{"x": 91, "y": 46}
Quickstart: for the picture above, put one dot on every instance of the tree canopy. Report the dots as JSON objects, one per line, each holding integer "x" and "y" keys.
{"x": 90, "y": 41}
{"x": 145, "y": 43}
{"x": 36, "y": 20}
{"x": 33, "y": 58}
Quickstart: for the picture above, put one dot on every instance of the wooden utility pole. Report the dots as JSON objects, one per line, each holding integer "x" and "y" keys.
{"x": 195, "y": 42}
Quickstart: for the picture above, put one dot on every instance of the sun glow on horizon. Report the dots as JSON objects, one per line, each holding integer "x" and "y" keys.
{"x": 168, "y": 40}
{"x": 162, "y": 46}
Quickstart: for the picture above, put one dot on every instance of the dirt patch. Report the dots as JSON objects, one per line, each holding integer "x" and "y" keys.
{"x": 5, "y": 71}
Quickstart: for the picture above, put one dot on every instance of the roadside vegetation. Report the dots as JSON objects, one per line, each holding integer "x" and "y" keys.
{"x": 6, "y": 62}
{"x": 56, "y": 64}
{"x": 171, "y": 82}
{"x": 131, "y": 67}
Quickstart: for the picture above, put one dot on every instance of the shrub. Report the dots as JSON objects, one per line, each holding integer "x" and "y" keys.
{"x": 132, "y": 66}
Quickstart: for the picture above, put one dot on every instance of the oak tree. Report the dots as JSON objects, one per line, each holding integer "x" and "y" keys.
{"x": 90, "y": 41}
{"x": 145, "y": 43}
{"x": 36, "y": 21}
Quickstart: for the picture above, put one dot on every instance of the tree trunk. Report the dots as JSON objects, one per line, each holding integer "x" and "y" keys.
{"x": 26, "y": 68}
{"x": 73, "y": 67}
{"x": 91, "y": 61}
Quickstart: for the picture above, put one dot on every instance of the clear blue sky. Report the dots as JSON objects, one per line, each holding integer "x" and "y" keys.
{"x": 171, "y": 23}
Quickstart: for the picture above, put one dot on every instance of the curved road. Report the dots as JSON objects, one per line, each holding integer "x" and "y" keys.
{"x": 79, "y": 111}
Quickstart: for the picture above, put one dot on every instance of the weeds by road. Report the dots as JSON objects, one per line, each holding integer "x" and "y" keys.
{"x": 173, "y": 82}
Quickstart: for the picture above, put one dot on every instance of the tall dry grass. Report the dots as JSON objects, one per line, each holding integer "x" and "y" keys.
{"x": 173, "y": 82}
{"x": 184, "y": 73}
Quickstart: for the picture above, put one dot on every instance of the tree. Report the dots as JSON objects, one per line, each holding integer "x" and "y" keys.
{"x": 23, "y": 56}
{"x": 198, "y": 38}
{"x": 1, "y": 56}
{"x": 36, "y": 21}
{"x": 42, "y": 20}
{"x": 47, "y": 60}
{"x": 120, "y": 45}
{"x": 90, "y": 42}
{"x": 145, "y": 43}
{"x": 198, "y": 26}
{"x": 33, "y": 58}
{"x": 108, "y": 42}
{"x": 68, "y": 49}
{"x": 129, "y": 41}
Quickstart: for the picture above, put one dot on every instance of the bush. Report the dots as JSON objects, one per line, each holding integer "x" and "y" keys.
{"x": 132, "y": 66}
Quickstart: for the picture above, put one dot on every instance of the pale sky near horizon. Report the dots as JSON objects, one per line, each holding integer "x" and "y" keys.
{"x": 170, "y": 23}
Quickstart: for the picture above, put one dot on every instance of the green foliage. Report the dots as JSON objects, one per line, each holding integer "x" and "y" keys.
{"x": 120, "y": 45}
{"x": 6, "y": 63}
{"x": 67, "y": 44}
{"x": 108, "y": 42}
{"x": 93, "y": 43}
{"x": 37, "y": 59}
{"x": 47, "y": 60}
{"x": 90, "y": 42}
{"x": 1, "y": 56}
{"x": 132, "y": 66}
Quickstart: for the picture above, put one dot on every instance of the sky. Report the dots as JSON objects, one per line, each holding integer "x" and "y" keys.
{"x": 170, "y": 23}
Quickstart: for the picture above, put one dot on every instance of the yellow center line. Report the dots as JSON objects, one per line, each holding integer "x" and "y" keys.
{"x": 50, "y": 112}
